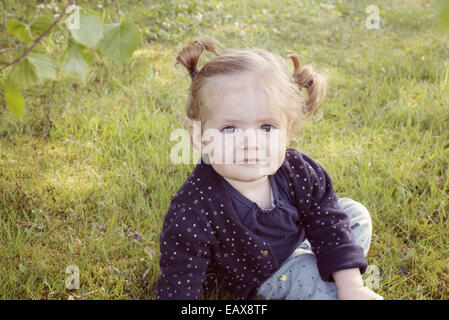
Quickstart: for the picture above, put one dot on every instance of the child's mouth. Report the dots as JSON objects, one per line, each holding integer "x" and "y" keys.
{"x": 248, "y": 161}
{"x": 251, "y": 161}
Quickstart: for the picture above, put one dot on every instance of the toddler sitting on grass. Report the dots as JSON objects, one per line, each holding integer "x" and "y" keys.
{"x": 256, "y": 217}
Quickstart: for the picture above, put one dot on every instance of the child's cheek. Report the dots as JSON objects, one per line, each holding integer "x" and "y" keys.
{"x": 228, "y": 148}
{"x": 271, "y": 146}
{"x": 276, "y": 147}
{"x": 220, "y": 149}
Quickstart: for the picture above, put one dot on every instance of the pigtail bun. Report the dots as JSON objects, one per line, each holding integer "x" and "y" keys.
{"x": 313, "y": 82}
{"x": 190, "y": 54}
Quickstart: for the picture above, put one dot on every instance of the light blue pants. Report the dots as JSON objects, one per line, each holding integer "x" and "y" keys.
{"x": 303, "y": 281}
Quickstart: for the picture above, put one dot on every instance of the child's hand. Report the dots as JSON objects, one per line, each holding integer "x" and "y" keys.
{"x": 351, "y": 287}
{"x": 358, "y": 293}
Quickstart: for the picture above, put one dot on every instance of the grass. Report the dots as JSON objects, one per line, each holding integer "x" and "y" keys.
{"x": 86, "y": 179}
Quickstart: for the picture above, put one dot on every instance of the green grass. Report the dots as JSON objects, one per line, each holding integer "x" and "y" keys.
{"x": 88, "y": 171}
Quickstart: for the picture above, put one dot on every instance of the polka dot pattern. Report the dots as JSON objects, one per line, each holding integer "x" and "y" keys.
{"x": 204, "y": 246}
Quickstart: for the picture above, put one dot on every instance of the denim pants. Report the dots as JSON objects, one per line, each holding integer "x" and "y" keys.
{"x": 303, "y": 281}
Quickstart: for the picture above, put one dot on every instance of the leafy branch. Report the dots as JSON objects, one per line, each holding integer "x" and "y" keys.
{"x": 38, "y": 39}
{"x": 89, "y": 36}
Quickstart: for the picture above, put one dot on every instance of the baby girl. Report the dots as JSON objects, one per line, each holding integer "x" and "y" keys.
{"x": 256, "y": 217}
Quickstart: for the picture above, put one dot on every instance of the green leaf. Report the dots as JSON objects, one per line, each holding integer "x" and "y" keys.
{"x": 40, "y": 24}
{"x": 120, "y": 41}
{"x": 45, "y": 67}
{"x": 90, "y": 29}
{"x": 23, "y": 74}
{"x": 76, "y": 60}
{"x": 14, "y": 99}
{"x": 20, "y": 30}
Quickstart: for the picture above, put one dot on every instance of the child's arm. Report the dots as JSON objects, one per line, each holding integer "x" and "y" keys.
{"x": 326, "y": 225}
{"x": 340, "y": 259}
{"x": 185, "y": 254}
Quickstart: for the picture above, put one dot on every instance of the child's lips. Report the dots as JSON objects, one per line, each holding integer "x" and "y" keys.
{"x": 250, "y": 161}
{"x": 245, "y": 161}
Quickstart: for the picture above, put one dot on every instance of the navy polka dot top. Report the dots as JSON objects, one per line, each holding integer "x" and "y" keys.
{"x": 279, "y": 226}
{"x": 214, "y": 238}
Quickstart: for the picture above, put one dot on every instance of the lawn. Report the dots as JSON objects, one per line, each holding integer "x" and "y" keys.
{"x": 86, "y": 177}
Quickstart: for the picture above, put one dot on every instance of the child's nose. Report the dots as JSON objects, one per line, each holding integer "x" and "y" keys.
{"x": 249, "y": 140}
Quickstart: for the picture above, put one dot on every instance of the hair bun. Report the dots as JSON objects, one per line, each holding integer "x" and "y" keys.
{"x": 190, "y": 54}
{"x": 313, "y": 82}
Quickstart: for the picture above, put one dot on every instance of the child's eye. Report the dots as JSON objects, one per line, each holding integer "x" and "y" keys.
{"x": 267, "y": 127}
{"x": 228, "y": 129}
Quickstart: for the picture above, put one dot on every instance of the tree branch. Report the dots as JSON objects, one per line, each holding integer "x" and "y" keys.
{"x": 38, "y": 39}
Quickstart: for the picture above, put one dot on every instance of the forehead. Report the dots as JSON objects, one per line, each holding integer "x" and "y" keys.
{"x": 241, "y": 99}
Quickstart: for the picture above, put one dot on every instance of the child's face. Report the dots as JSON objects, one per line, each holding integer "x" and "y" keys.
{"x": 249, "y": 135}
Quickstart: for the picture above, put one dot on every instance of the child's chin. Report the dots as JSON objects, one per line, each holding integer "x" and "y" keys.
{"x": 251, "y": 172}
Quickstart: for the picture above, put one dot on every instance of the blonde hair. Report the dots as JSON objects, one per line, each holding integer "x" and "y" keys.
{"x": 283, "y": 89}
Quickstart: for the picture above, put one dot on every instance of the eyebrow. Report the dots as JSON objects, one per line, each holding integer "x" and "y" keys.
{"x": 261, "y": 120}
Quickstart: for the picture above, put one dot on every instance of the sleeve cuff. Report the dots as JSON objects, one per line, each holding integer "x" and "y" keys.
{"x": 343, "y": 257}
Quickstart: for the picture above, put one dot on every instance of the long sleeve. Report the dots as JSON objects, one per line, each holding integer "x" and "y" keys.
{"x": 327, "y": 226}
{"x": 185, "y": 254}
